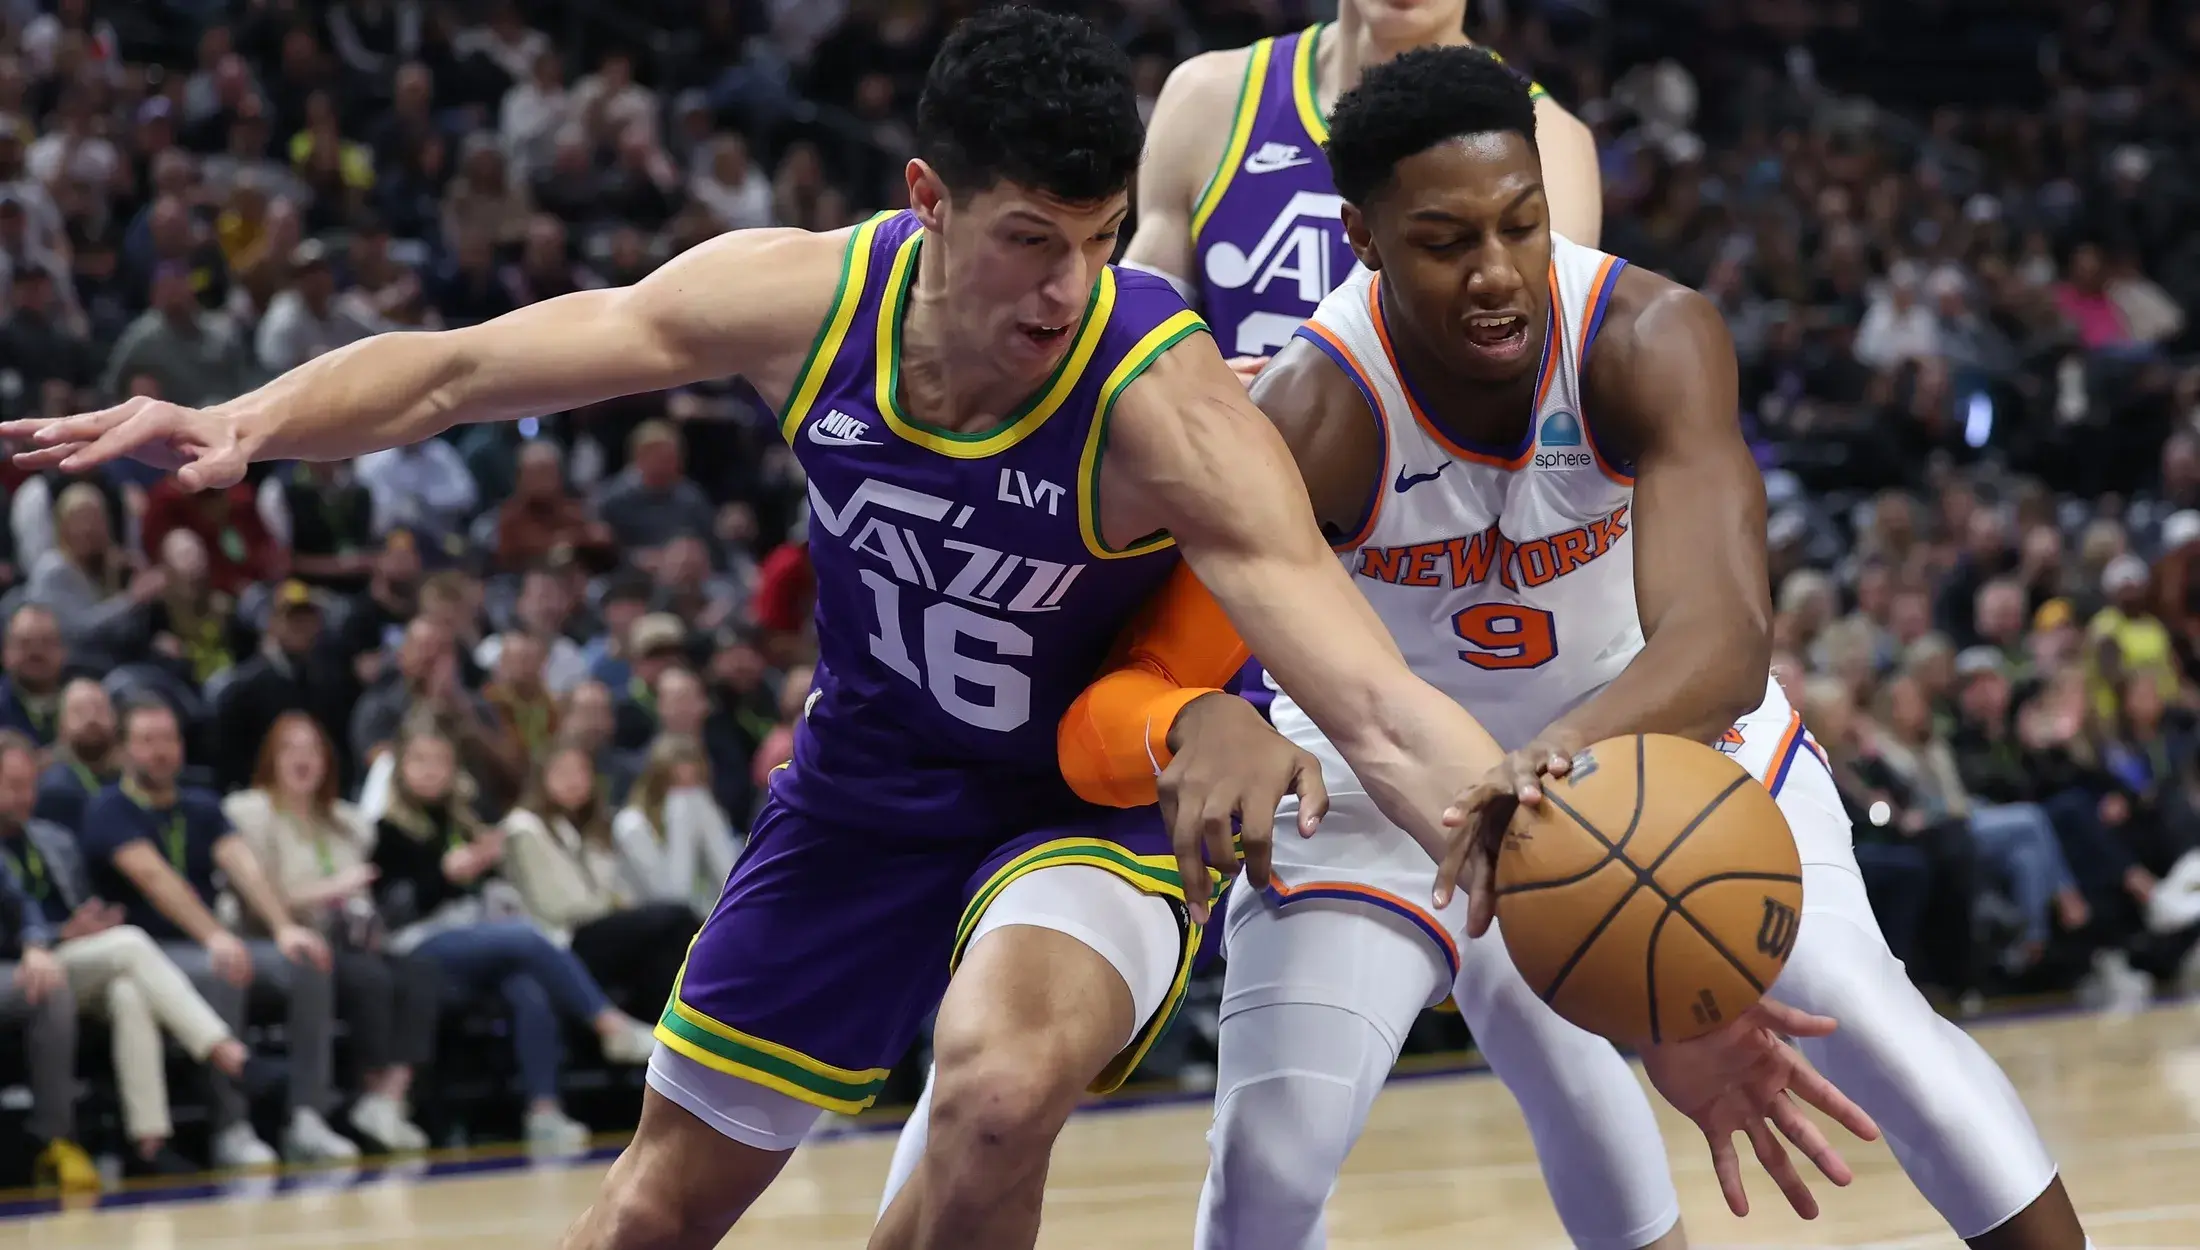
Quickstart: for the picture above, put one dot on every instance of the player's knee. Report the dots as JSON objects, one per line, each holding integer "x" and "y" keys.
{"x": 633, "y": 1216}
{"x": 1282, "y": 1137}
{"x": 1003, "y": 1097}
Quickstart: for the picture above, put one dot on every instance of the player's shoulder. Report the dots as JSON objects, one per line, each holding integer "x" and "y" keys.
{"x": 1206, "y": 77}
{"x": 1191, "y": 114}
{"x": 1648, "y": 309}
{"x": 755, "y": 287}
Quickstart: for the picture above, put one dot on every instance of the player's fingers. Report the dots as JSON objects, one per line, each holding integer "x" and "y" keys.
{"x": 1792, "y": 1021}
{"x": 1313, "y": 794}
{"x": 1774, "y": 1159}
{"x": 116, "y": 442}
{"x": 1808, "y": 1138}
{"x": 1481, "y": 894}
{"x": 1257, "y": 835}
{"x": 1728, "y": 1168}
{"x": 46, "y": 457}
{"x": 1810, "y": 1085}
{"x": 1454, "y": 866}
{"x": 77, "y": 429}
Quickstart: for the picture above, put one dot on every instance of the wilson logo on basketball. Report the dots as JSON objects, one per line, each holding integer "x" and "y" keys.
{"x": 1776, "y": 932}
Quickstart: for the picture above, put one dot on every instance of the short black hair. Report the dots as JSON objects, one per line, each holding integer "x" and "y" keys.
{"x": 143, "y": 704}
{"x": 1415, "y": 101}
{"x": 1037, "y": 99}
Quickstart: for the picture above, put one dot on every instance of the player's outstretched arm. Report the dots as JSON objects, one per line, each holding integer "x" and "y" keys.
{"x": 1197, "y": 458}
{"x": 738, "y": 304}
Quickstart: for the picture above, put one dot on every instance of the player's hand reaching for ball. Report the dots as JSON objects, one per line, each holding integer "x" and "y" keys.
{"x": 1228, "y": 775}
{"x": 1744, "y": 1077}
{"x": 1479, "y": 817}
{"x": 200, "y": 446}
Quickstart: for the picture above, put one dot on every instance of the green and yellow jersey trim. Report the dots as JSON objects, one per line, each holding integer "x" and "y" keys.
{"x": 1241, "y": 135}
{"x": 723, "y": 1048}
{"x": 1018, "y": 425}
{"x": 1306, "y": 89}
{"x": 855, "y": 271}
{"x": 1155, "y": 874}
{"x": 1135, "y": 362}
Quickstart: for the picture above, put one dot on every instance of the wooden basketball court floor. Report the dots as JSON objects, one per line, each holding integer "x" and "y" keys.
{"x": 1445, "y": 1164}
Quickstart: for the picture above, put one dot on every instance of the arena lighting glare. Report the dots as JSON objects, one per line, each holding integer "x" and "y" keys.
{"x": 1978, "y": 420}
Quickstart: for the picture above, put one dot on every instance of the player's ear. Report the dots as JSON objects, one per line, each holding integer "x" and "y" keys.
{"x": 1356, "y": 234}
{"x": 927, "y": 194}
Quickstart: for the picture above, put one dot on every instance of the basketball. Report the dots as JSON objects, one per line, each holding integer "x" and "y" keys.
{"x": 1654, "y": 893}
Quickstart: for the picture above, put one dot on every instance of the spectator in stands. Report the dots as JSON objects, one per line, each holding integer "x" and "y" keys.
{"x": 686, "y": 588}
{"x": 318, "y": 852}
{"x": 156, "y": 849}
{"x": 745, "y": 709}
{"x": 544, "y": 610}
{"x": 518, "y": 694}
{"x": 542, "y": 515}
{"x": 34, "y": 658}
{"x": 778, "y": 746}
{"x": 506, "y": 40}
{"x": 84, "y": 755}
{"x": 650, "y": 502}
{"x": 86, "y": 582}
{"x": 425, "y": 487}
{"x": 626, "y": 600}
{"x": 439, "y": 895}
{"x": 195, "y": 630}
{"x": 658, "y": 642}
{"x": 673, "y": 839}
{"x": 486, "y": 203}
{"x": 2125, "y": 638}
{"x": 35, "y": 997}
{"x": 321, "y": 513}
{"x": 534, "y": 111}
{"x": 736, "y": 193}
{"x": 307, "y": 319}
{"x": 287, "y": 674}
{"x": 684, "y": 711}
{"x": 373, "y": 620}
{"x": 239, "y": 549}
{"x": 113, "y": 969}
{"x": 468, "y": 288}
{"x": 197, "y": 357}
{"x": 560, "y": 854}
{"x": 589, "y": 719}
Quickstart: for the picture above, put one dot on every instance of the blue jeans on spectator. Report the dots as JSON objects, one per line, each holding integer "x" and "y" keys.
{"x": 1899, "y": 878}
{"x": 2018, "y": 842}
{"x": 540, "y": 981}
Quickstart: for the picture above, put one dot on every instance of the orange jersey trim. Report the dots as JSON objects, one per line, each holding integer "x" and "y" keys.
{"x": 1113, "y": 741}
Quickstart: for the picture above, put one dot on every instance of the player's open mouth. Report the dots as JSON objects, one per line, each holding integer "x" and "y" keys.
{"x": 1045, "y": 336}
{"x": 1499, "y": 335}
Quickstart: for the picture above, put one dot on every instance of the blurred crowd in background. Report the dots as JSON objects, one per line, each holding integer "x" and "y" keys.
{"x": 459, "y": 740}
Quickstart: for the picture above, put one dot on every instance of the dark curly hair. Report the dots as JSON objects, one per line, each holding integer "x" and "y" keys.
{"x": 1416, "y": 101}
{"x": 1036, "y": 99}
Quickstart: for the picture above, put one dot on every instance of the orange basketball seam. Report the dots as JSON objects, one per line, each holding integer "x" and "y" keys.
{"x": 1644, "y": 876}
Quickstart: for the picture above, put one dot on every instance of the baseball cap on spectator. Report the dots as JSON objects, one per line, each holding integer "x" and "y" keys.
{"x": 658, "y": 632}
{"x": 1979, "y": 662}
{"x": 294, "y": 596}
{"x": 2125, "y": 572}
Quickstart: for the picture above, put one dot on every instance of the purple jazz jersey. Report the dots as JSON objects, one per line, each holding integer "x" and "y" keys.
{"x": 965, "y": 597}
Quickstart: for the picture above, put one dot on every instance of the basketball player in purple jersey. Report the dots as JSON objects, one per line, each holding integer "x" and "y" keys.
{"x": 1008, "y": 444}
{"x": 1244, "y": 222}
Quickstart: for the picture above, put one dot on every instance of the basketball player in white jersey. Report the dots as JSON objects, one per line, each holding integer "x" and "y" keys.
{"x": 1486, "y": 420}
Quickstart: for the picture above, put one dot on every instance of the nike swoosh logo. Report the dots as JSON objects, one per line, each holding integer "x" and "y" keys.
{"x": 1257, "y": 164}
{"x": 818, "y": 435}
{"x": 1408, "y": 481}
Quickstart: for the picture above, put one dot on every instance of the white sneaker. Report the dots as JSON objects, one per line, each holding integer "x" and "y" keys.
{"x": 630, "y": 1044}
{"x": 309, "y": 1139}
{"x": 554, "y": 1132}
{"x": 382, "y": 1118}
{"x": 239, "y": 1147}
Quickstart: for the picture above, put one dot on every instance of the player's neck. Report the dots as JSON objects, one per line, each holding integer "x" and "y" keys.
{"x": 1349, "y": 49}
{"x": 946, "y": 386}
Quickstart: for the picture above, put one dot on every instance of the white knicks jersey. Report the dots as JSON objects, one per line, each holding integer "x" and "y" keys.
{"x": 1507, "y": 574}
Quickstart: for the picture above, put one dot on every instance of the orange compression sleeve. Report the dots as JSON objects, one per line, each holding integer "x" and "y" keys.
{"x": 1114, "y": 740}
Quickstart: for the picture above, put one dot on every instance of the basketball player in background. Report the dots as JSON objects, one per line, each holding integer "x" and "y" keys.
{"x": 925, "y": 813}
{"x": 1487, "y": 420}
